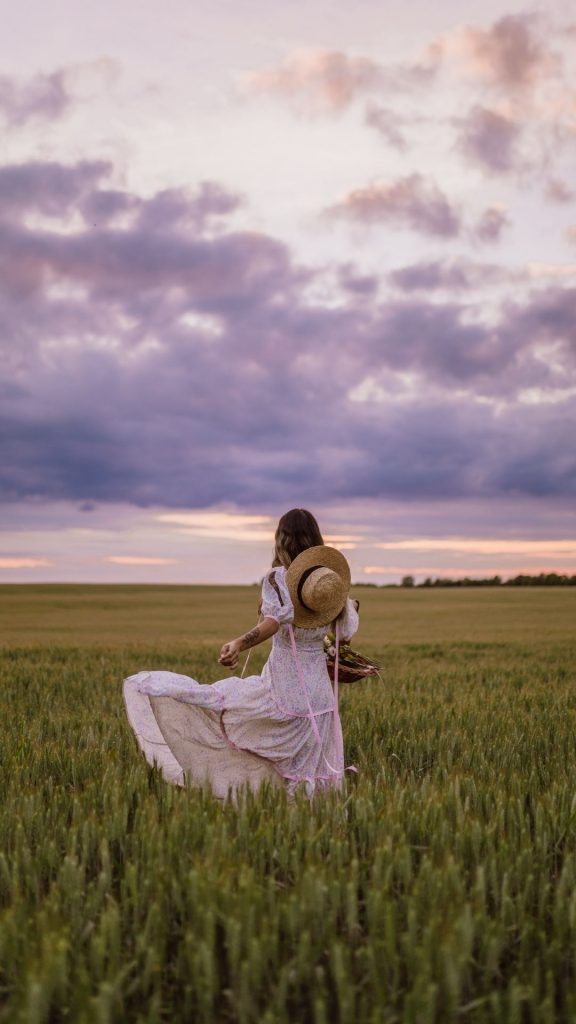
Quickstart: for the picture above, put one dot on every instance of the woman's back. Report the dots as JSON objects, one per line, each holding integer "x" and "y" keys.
{"x": 296, "y": 668}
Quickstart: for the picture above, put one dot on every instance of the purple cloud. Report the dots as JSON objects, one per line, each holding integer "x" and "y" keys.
{"x": 412, "y": 202}
{"x": 101, "y": 207}
{"x": 454, "y": 276}
{"x": 177, "y": 209}
{"x": 490, "y": 225}
{"x": 388, "y": 125}
{"x": 360, "y": 285}
{"x": 162, "y": 364}
{"x": 49, "y": 188}
{"x": 44, "y": 97}
{"x": 490, "y": 140}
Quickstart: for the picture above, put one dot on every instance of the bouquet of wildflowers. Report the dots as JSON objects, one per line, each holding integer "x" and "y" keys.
{"x": 352, "y": 666}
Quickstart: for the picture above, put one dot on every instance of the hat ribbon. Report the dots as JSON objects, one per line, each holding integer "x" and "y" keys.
{"x": 337, "y": 724}
{"x": 307, "y": 572}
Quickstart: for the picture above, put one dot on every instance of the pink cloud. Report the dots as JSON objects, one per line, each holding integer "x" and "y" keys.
{"x": 525, "y": 114}
{"x": 414, "y": 202}
{"x": 484, "y": 545}
{"x": 511, "y": 54}
{"x": 329, "y": 80}
{"x": 417, "y": 203}
{"x": 139, "y": 560}
{"x": 23, "y": 563}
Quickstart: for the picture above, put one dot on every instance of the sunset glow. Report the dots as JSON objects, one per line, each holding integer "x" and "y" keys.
{"x": 561, "y": 548}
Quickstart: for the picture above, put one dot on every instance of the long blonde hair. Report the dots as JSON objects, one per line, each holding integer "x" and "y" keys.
{"x": 296, "y": 531}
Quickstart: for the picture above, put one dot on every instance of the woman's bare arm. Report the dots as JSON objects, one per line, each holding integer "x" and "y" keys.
{"x": 262, "y": 631}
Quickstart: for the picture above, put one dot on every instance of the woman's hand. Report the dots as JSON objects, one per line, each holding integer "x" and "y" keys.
{"x": 230, "y": 653}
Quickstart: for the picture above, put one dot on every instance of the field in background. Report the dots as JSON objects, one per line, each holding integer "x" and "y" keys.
{"x": 122, "y": 615}
{"x": 440, "y": 888}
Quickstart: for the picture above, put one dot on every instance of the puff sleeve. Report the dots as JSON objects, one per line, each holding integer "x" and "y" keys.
{"x": 276, "y": 601}
{"x": 348, "y": 620}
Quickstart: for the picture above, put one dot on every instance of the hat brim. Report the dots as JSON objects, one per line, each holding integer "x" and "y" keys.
{"x": 326, "y": 557}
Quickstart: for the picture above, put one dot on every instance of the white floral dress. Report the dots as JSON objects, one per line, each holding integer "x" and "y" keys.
{"x": 281, "y": 726}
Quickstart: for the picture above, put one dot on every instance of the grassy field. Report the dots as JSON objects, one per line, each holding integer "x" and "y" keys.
{"x": 47, "y": 614}
{"x": 441, "y": 887}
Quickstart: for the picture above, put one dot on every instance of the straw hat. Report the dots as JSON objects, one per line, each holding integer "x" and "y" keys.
{"x": 318, "y": 581}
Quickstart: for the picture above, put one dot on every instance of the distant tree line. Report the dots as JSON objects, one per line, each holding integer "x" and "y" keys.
{"x": 545, "y": 579}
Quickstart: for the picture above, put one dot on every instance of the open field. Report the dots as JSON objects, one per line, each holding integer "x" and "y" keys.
{"x": 440, "y": 888}
{"x": 161, "y": 615}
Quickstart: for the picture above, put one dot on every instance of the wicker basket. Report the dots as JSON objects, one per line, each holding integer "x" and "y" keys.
{"x": 352, "y": 666}
{"x": 346, "y": 674}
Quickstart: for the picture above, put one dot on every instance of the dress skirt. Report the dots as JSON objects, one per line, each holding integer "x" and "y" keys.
{"x": 189, "y": 744}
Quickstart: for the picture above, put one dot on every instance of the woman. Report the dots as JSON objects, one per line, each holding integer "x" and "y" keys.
{"x": 281, "y": 726}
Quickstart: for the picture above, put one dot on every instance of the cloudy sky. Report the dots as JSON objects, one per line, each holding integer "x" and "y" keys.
{"x": 257, "y": 254}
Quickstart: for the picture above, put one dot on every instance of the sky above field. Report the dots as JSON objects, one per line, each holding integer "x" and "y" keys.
{"x": 258, "y": 254}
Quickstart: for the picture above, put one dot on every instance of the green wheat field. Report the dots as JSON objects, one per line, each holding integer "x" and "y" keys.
{"x": 439, "y": 887}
